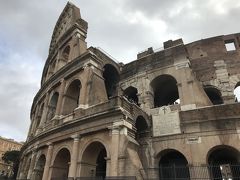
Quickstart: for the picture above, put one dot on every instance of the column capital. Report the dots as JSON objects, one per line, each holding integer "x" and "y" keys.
{"x": 62, "y": 80}
{"x": 49, "y": 144}
{"x": 76, "y": 137}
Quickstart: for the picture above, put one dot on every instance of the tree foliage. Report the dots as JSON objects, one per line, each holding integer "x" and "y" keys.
{"x": 12, "y": 157}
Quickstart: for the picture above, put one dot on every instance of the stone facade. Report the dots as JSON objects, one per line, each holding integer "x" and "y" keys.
{"x": 7, "y": 145}
{"x": 94, "y": 117}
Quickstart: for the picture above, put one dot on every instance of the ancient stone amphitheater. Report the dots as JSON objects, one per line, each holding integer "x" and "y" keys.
{"x": 169, "y": 114}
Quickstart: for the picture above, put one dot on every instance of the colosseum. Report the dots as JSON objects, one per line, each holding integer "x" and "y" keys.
{"x": 171, "y": 114}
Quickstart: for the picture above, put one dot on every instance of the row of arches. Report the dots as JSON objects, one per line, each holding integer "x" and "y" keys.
{"x": 72, "y": 93}
{"x": 165, "y": 92}
{"x": 172, "y": 163}
{"x": 93, "y": 163}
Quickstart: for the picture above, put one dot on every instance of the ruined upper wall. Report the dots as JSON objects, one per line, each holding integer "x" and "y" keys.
{"x": 68, "y": 40}
{"x": 202, "y": 54}
{"x": 206, "y": 54}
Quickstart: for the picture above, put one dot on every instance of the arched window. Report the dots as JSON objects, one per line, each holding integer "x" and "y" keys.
{"x": 214, "y": 95}
{"x": 111, "y": 76}
{"x": 39, "y": 116}
{"x": 222, "y": 158}
{"x": 65, "y": 53}
{"x": 237, "y": 92}
{"x": 71, "y": 97}
{"x": 141, "y": 126}
{"x": 61, "y": 164}
{"x": 94, "y": 161}
{"x": 39, "y": 167}
{"x": 131, "y": 93}
{"x": 173, "y": 165}
{"x": 52, "y": 106}
{"x": 165, "y": 91}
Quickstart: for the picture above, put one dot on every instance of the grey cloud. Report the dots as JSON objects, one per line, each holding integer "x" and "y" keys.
{"x": 27, "y": 26}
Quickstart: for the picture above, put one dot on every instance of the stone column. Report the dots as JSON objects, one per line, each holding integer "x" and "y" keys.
{"x": 74, "y": 157}
{"x": 114, "y": 151}
{"x": 60, "y": 98}
{"x": 48, "y": 162}
{"x": 32, "y": 164}
{"x": 22, "y": 168}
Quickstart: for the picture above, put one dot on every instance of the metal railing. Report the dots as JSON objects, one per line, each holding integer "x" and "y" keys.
{"x": 213, "y": 172}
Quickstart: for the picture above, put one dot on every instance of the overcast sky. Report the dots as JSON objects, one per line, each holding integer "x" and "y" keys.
{"x": 121, "y": 27}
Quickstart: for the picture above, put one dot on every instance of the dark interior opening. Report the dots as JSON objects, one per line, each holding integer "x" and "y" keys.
{"x": 111, "y": 76}
{"x": 52, "y": 106}
{"x": 214, "y": 95}
{"x": 165, "y": 90}
{"x": 173, "y": 165}
{"x": 131, "y": 94}
{"x": 101, "y": 164}
{"x": 72, "y": 97}
{"x": 222, "y": 160}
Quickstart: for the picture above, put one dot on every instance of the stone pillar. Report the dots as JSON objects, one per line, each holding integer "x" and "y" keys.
{"x": 84, "y": 91}
{"x": 60, "y": 98}
{"x": 22, "y": 168}
{"x": 114, "y": 151}
{"x": 74, "y": 157}
{"x": 32, "y": 164}
{"x": 48, "y": 162}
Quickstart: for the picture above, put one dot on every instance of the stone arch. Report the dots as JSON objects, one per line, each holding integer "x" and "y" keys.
{"x": 173, "y": 164}
{"x": 55, "y": 152}
{"x": 71, "y": 97}
{"x": 66, "y": 53}
{"x": 52, "y": 105}
{"x": 39, "y": 116}
{"x": 27, "y": 165}
{"x": 39, "y": 167}
{"x": 111, "y": 78}
{"x": 222, "y": 159}
{"x": 131, "y": 93}
{"x": 60, "y": 167}
{"x": 225, "y": 150}
{"x": 165, "y": 90}
{"x": 93, "y": 160}
{"x": 141, "y": 126}
{"x": 214, "y": 94}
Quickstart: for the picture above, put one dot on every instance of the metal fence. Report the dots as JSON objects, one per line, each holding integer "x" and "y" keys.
{"x": 107, "y": 178}
{"x": 216, "y": 172}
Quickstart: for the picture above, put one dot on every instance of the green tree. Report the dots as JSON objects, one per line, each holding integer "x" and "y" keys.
{"x": 12, "y": 157}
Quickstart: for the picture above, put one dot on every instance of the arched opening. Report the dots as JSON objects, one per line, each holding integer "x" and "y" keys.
{"x": 237, "y": 92}
{"x": 27, "y": 166}
{"x": 173, "y": 165}
{"x": 94, "y": 161}
{"x": 61, "y": 165}
{"x": 71, "y": 98}
{"x": 111, "y": 76}
{"x": 224, "y": 162}
{"x": 39, "y": 168}
{"x": 214, "y": 95}
{"x": 52, "y": 106}
{"x": 165, "y": 91}
{"x": 131, "y": 93}
{"x": 141, "y": 126}
{"x": 65, "y": 53}
{"x": 39, "y": 116}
